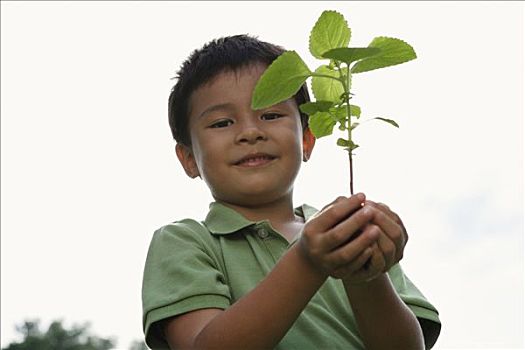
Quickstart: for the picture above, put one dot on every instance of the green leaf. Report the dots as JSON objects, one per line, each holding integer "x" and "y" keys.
{"x": 353, "y": 126}
{"x": 329, "y": 32}
{"x": 339, "y": 113}
{"x": 393, "y": 51}
{"x": 349, "y": 145}
{"x": 389, "y": 121}
{"x": 355, "y": 111}
{"x": 327, "y": 89}
{"x": 321, "y": 124}
{"x": 342, "y": 142}
{"x": 314, "y": 107}
{"x": 281, "y": 80}
{"x": 351, "y": 54}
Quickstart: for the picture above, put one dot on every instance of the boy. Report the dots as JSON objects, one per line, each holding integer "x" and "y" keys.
{"x": 257, "y": 273}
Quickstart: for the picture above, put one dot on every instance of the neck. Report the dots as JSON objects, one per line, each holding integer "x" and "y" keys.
{"x": 277, "y": 212}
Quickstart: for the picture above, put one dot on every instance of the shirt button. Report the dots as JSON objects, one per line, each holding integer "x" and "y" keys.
{"x": 262, "y": 233}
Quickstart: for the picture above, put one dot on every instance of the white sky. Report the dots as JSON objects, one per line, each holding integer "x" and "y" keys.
{"x": 89, "y": 172}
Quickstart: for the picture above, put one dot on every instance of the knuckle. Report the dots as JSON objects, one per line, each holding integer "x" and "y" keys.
{"x": 397, "y": 235}
{"x": 384, "y": 206}
{"x": 338, "y": 212}
{"x": 337, "y": 237}
{"x": 374, "y": 231}
{"x": 369, "y": 212}
{"x": 340, "y": 199}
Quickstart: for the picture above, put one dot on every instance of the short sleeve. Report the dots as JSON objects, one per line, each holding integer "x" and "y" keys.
{"x": 182, "y": 273}
{"x": 413, "y": 298}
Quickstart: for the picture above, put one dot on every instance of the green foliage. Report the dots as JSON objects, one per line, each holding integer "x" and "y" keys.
{"x": 332, "y": 81}
{"x": 389, "y": 121}
{"x": 329, "y": 32}
{"x": 314, "y": 107}
{"x": 356, "y": 111}
{"x": 392, "y": 51}
{"x": 58, "y": 338}
{"x": 348, "y": 145}
{"x": 282, "y": 79}
{"x": 322, "y": 124}
{"x": 351, "y": 54}
{"x": 324, "y": 88}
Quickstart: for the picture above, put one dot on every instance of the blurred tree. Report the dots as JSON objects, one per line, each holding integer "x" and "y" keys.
{"x": 138, "y": 345}
{"x": 58, "y": 338}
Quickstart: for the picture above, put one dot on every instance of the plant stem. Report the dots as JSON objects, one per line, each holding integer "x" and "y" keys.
{"x": 346, "y": 85}
{"x": 351, "y": 173}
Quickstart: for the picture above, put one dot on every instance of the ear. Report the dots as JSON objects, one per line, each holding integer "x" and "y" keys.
{"x": 308, "y": 144}
{"x": 187, "y": 160}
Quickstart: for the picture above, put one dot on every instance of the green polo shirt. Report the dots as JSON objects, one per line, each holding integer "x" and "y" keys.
{"x": 194, "y": 265}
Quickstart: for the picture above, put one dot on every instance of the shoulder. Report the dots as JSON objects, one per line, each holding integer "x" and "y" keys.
{"x": 185, "y": 229}
{"x": 180, "y": 238}
{"x": 184, "y": 271}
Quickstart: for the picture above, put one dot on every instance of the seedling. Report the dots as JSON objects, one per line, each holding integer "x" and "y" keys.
{"x": 332, "y": 81}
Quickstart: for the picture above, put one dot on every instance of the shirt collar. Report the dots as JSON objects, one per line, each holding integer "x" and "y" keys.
{"x": 222, "y": 220}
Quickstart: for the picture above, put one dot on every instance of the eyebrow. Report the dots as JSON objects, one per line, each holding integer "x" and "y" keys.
{"x": 217, "y": 107}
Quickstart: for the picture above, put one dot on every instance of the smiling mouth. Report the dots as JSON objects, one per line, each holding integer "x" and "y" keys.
{"x": 255, "y": 160}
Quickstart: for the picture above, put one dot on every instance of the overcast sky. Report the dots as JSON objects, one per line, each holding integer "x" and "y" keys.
{"x": 89, "y": 169}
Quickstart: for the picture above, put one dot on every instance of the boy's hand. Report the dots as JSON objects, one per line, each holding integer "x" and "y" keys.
{"x": 394, "y": 236}
{"x": 346, "y": 240}
{"x": 388, "y": 250}
{"x": 336, "y": 242}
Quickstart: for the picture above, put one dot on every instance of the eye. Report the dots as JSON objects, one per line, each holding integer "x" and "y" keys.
{"x": 271, "y": 116}
{"x": 221, "y": 124}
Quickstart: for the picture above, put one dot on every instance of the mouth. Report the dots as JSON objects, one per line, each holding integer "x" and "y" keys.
{"x": 255, "y": 160}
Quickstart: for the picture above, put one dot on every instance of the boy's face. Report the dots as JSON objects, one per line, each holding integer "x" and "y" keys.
{"x": 246, "y": 157}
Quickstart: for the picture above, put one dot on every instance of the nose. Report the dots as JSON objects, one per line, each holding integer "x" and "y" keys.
{"x": 250, "y": 133}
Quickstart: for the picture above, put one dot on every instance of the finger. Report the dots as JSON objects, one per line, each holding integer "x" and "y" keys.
{"x": 386, "y": 246}
{"x": 363, "y": 275}
{"x": 353, "y": 266}
{"x": 377, "y": 262}
{"x": 310, "y": 234}
{"x": 391, "y": 228}
{"x": 347, "y": 230}
{"x": 374, "y": 268}
{"x": 383, "y": 207}
{"x": 338, "y": 210}
{"x": 346, "y": 253}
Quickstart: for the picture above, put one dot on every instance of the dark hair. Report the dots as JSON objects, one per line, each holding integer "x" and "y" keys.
{"x": 225, "y": 54}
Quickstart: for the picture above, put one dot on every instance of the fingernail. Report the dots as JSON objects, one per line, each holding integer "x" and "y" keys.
{"x": 361, "y": 196}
